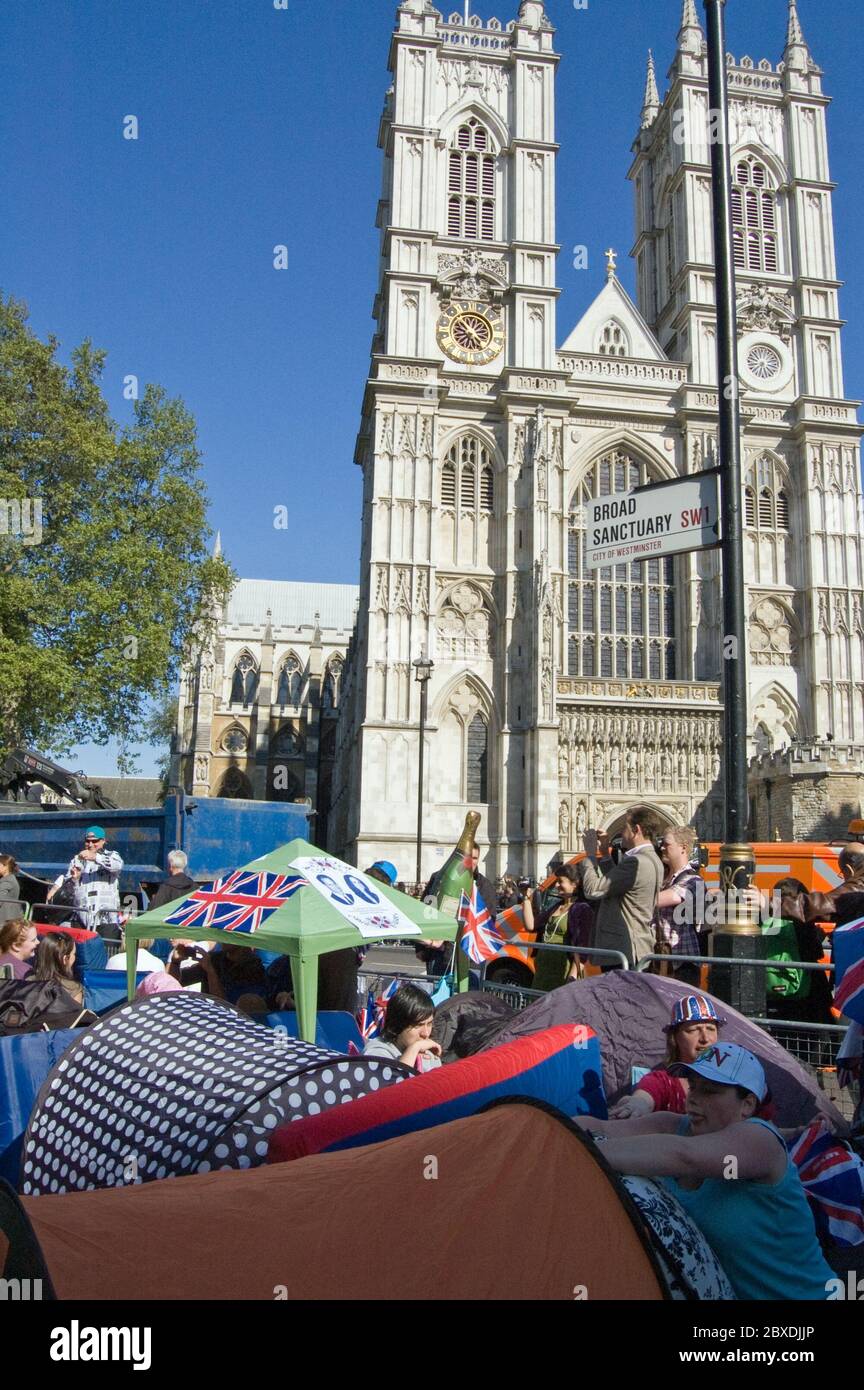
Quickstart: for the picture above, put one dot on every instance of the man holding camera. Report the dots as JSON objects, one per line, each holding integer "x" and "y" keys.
{"x": 625, "y": 894}
{"x": 93, "y": 883}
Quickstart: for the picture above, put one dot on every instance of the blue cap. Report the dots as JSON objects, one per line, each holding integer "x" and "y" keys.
{"x": 388, "y": 869}
{"x": 96, "y": 831}
{"x": 729, "y": 1065}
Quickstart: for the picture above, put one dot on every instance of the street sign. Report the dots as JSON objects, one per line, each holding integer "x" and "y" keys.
{"x": 666, "y": 518}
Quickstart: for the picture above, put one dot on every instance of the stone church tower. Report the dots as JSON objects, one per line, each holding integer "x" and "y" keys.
{"x": 560, "y": 696}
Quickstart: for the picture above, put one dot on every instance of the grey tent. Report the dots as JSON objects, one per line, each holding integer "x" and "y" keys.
{"x": 628, "y": 1011}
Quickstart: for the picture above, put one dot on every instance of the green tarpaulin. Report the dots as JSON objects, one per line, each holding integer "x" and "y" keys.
{"x": 305, "y": 927}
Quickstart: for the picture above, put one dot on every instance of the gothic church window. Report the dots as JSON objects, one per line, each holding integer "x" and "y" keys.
{"x": 234, "y": 740}
{"x": 466, "y": 475}
{"x": 448, "y": 485}
{"x": 236, "y": 785}
{"x": 613, "y": 341}
{"x": 330, "y": 689}
{"x": 471, "y": 188}
{"x": 290, "y": 684}
{"x": 477, "y": 756}
{"x": 766, "y": 502}
{"x": 465, "y": 727}
{"x": 287, "y": 742}
{"x": 244, "y": 684}
{"x": 754, "y": 218}
{"x": 773, "y": 639}
{"x": 464, "y": 625}
{"x": 622, "y": 618}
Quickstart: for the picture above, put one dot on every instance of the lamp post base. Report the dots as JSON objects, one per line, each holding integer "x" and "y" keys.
{"x": 740, "y": 986}
{"x": 738, "y": 934}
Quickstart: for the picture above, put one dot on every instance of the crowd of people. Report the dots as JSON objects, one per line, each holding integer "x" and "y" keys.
{"x": 683, "y": 1122}
{"x": 645, "y": 896}
{"x": 642, "y": 896}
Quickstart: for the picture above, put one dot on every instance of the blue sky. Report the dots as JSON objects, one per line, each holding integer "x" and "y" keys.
{"x": 258, "y": 127}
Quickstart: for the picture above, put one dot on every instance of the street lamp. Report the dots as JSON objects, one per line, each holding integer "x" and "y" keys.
{"x": 422, "y": 673}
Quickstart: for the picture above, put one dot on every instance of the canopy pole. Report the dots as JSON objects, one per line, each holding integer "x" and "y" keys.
{"x": 304, "y": 974}
{"x": 131, "y": 963}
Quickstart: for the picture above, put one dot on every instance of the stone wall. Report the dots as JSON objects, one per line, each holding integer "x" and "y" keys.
{"x": 806, "y": 792}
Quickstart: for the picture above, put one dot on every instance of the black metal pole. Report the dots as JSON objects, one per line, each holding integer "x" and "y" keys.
{"x": 423, "y": 688}
{"x": 738, "y": 934}
{"x": 734, "y": 621}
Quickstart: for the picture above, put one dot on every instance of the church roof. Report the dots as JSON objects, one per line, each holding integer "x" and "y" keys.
{"x": 614, "y": 303}
{"x": 292, "y": 604}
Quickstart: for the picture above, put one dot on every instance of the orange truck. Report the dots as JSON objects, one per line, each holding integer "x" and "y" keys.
{"x": 815, "y": 865}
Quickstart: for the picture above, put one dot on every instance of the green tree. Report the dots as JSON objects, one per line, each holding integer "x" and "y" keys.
{"x": 100, "y": 599}
{"x": 159, "y": 731}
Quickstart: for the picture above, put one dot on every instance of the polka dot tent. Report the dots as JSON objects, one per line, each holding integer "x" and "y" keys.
{"x": 179, "y": 1084}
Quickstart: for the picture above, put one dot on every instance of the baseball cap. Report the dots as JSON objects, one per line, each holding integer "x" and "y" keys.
{"x": 694, "y": 1008}
{"x": 96, "y": 831}
{"x": 728, "y": 1065}
{"x": 388, "y": 869}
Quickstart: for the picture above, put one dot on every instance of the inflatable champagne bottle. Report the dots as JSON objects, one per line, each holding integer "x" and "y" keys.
{"x": 457, "y": 875}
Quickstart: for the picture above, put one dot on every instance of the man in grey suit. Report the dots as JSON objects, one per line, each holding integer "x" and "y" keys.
{"x": 625, "y": 894}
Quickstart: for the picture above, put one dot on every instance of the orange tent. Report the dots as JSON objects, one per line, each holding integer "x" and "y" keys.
{"x": 510, "y": 1204}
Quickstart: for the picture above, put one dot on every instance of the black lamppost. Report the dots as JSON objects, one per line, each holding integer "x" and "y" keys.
{"x": 739, "y": 934}
{"x": 422, "y": 673}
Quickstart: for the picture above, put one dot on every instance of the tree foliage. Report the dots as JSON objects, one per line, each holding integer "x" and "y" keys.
{"x": 96, "y": 614}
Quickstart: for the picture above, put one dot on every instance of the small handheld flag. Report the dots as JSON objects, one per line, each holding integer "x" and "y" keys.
{"x": 480, "y": 938}
{"x": 371, "y": 1015}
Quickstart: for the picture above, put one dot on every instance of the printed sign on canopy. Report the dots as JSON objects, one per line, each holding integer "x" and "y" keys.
{"x": 359, "y": 899}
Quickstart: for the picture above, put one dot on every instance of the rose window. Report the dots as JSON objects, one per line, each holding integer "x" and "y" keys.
{"x": 763, "y": 362}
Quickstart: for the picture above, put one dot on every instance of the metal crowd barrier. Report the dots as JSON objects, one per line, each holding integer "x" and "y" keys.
{"x": 378, "y": 980}
{"x": 517, "y": 996}
{"x": 520, "y": 996}
{"x": 25, "y": 909}
{"x": 52, "y": 909}
{"x": 676, "y": 959}
{"x": 815, "y": 1045}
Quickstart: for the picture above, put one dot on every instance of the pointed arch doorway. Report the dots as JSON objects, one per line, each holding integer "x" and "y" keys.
{"x": 617, "y": 824}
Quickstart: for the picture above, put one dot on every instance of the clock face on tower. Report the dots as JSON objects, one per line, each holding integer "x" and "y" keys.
{"x": 471, "y": 332}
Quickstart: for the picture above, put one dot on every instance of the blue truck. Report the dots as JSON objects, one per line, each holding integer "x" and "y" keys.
{"x": 217, "y": 834}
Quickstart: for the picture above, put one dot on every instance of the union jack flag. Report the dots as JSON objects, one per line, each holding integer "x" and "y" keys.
{"x": 371, "y": 1015}
{"x": 239, "y": 902}
{"x": 849, "y": 994}
{"x": 833, "y": 1178}
{"x": 366, "y": 1018}
{"x": 847, "y": 947}
{"x": 480, "y": 938}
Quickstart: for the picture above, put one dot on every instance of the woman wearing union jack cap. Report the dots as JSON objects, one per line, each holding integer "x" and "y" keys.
{"x": 695, "y": 1024}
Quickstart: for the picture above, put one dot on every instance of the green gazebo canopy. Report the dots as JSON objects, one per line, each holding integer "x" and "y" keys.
{"x": 304, "y": 927}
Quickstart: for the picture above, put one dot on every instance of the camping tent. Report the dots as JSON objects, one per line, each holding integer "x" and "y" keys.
{"x": 179, "y": 1083}
{"x": 560, "y": 1067}
{"x": 628, "y": 1010}
{"x": 304, "y": 926}
{"x": 514, "y": 1203}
